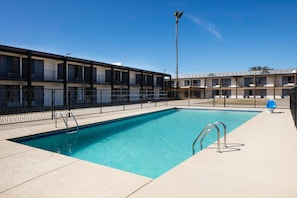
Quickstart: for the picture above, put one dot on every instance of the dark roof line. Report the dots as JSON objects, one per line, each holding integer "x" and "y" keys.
{"x": 68, "y": 58}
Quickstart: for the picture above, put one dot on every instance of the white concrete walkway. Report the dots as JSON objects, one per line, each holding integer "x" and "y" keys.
{"x": 265, "y": 166}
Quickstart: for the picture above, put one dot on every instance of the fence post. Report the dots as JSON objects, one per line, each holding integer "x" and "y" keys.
{"x": 140, "y": 97}
{"x": 53, "y": 111}
{"x": 69, "y": 108}
{"x": 123, "y": 103}
{"x": 189, "y": 96}
{"x": 255, "y": 102}
{"x": 166, "y": 97}
{"x": 155, "y": 98}
{"x": 100, "y": 101}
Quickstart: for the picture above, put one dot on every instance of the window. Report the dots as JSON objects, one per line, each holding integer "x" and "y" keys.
{"x": 61, "y": 71}
{"x": 260, "y": 92}
{"x": 37, "y": 69}
{"x": 160, "y": 81}
{"x": 73, "y": 95}
{"x": 87, "y": 74}
{"x": 138, "y": 79}
{"x": 125, "y": 78}
{"x": 215, "y": 93}
{"x": 261, "y": 81}
{"x": 117, "y": 76}
{"x": 150, "y": 80}
{"x": 108, "y": 76}
{"x": 226, "y": 82}
{"x": 290, "y": 79}
{"x": 74, "y": 73}
{"x": 90, "y": 94}
{"x": 248, "y": 81}
{"x": 78, "y": 72}
{"x": 186, "y": 83}
{"x": 215, "y": 82}
{"x": 116, "y": 95}
{"x": 287, "y": 79}
{"x": 285, "y": 93}
{"x": 35, "y": 96}
{"x": 196, "y": 83}
{"x": 13, "y": 65}
{"x": 13, "y": 93}
{"x": 9, "y": 66}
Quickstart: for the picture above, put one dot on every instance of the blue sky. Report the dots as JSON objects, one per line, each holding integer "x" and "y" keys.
{"x": 214, "y": 35}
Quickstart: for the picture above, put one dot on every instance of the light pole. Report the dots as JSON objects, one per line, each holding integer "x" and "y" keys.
{"x": 177, "y": 17}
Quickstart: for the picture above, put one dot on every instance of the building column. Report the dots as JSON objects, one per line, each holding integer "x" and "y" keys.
{"x": 153, "y": 83}
{"x": 65, "y": 81}
{"x": 91, "y": 76}
{"x": 141, "y": 81}
{"x": 274, "y": 86}
{"x": 112, "y": 79}
{"x": 236, "y": 88}
{"x": 128, "y": 83}
{"x": 92, "y": 82}
{"x": 254, "y": 88}
{"x": 29, "y": 96}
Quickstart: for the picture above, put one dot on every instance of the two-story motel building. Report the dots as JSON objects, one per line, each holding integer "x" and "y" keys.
{"x": 23, "y": 69}
{"x": 81, "y": 77}
{"x": 273, "y": 83}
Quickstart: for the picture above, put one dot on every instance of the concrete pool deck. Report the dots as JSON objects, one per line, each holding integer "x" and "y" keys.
{"x": 265, "y": 165}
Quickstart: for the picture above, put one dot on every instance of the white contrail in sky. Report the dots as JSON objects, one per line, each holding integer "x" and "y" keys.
{"x": 211, "y": 28}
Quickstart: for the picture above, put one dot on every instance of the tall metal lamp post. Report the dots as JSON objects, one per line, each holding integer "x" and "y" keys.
{"x": 177, "y": 17}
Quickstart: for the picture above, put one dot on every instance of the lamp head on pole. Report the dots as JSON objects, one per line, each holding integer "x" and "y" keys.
{"x": 178, "y": 14}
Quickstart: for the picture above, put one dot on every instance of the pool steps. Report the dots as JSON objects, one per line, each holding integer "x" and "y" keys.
{"x": 65, "y": 119}
{"x": 206, "y": 131}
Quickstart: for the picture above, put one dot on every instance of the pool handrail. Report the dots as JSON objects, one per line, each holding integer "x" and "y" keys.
{"x": 225, "y": 132}
{"x": 66, "y": 121}
{"x": 207, "y": 129}
{"x": 71, "y": 113}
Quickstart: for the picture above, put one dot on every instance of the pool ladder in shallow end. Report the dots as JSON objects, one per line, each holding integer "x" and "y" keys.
{"x": 206, "y": 131}
{"x": 65, "y": 119}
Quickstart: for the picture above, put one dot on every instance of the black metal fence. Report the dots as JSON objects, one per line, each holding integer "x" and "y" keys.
{"x": 293, "y": 104}
{"x": 191, "y": 98}
{"x": 23, "y": 104}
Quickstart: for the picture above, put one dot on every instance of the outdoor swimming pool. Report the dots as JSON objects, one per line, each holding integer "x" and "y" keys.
{"x": 148, "y": 145}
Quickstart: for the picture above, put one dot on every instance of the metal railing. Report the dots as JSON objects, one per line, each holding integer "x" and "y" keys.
{"x": 22, "y": 105}
{"x": 206, "y": 131}
{"x": 293, "y": 104}
{"x": 65, "y": 120}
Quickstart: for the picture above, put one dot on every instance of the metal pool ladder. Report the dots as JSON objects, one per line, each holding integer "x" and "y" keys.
{"x": 65, "y": 119}
{"x": 206, "y": 131}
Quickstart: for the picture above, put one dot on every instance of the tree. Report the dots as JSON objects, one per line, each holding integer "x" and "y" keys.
{"x": 259, "y": 68}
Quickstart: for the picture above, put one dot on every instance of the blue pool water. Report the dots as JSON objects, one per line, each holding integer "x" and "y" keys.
{"x": 148, "y": 145}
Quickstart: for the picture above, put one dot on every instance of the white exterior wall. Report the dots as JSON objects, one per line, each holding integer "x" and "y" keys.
{"x": 100, "y": 74}
{"x": 157, "y": 94}
{"x": 279, "y": 81}
{"x": 132, "y": 77}
{"x": 50, "y": 69}
{"x": 269, "y": 81}
{"x": 134, "y": 94}
{"x": 269, "y": 94}
{"x": 208, "y": 93}
{"x": 208, "y": 82}
{"x": 104, "y": 95}
{"x": 278, "y": 94}
{"x": 233, "y": 83}
{"x": 240, "y": 82}
{"x": 233, "y": 93}
{"x": 240, "y": 93}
